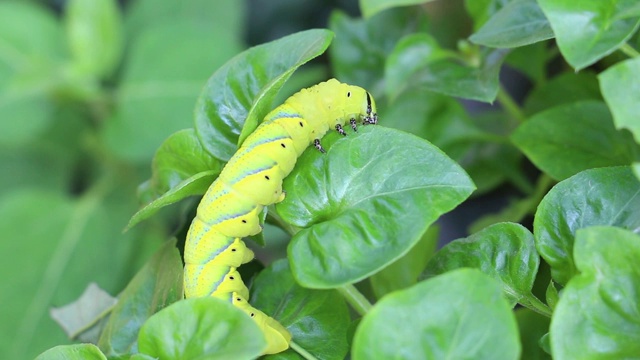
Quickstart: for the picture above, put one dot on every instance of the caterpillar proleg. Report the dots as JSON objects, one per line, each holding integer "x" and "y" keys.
{"x": 251, "y": 180}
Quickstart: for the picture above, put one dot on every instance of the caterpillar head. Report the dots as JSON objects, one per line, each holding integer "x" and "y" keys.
{"x": 362, "y": 104}
{"x": 277, "y": 336}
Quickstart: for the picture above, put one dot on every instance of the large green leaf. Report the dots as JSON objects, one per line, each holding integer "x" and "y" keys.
{"x": 458, "y": 315}
{"x": 606, "y": 196}
{"x": 241, "y": 92}
{"x": 155, "y": 286}
{"x": 588, "y": 30}
{"x": 418, "y": 62}
{"x": 482, "y": 10}
{"x": 504, "y": 251}
{"x": 73, "y": 352}
{"x": 597, "y": 316}
{"x": 317, "y": 319}
{"x": 361, "y": 48}
{"x": 363, "y": 205}
{"x": 520, "y": 22}
{"x": 620, "y": 86}
{"x": 570, "y": 138}
{"x": 201, "y": 328}
{"x": 94, "y": 32}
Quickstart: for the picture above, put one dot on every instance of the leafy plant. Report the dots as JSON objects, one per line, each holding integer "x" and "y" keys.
{"x": 553, "y": 274}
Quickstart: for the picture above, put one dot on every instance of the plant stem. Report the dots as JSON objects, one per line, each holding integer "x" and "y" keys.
{"x": 300, "y": 350}
{"x": 355, "y": 298}
{"x": 629, "y": 50}
{"x": 533, "y": 303}
{"x": 510, "y": 105}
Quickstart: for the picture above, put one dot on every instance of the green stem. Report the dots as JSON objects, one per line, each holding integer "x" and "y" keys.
{"x": 533, "y": 303}
{"x": 510, "y": 105}
{"x": 629, "y": 50}
{"x": 355, "y": 298}
{"x": 300, "y": 350}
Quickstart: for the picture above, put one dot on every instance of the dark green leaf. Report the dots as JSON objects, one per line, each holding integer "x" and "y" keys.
{"x": 164, "y": 72}
{"x": 597, "y": 315}
{"x": 588, "y": 30}
{"x": 532, "y": 326}
{"x": 317, "y": 319}
{"x": 418, "y": 62}
{"x": 372, "y": 7}
{"x": 361, "y": 48}
{"x": 94, "y": 32}
{"x": 458, "y": 315}
{"x": 241, "y": 92}
{"x": 404, "y": 272}
{"x": 620, "y": 86}
{"x": 570, "y": 138}
{"x": 606, "y": 196}
{"x": 518, "y": 23}
{"x": 360, "y": 215}
{"x": 73, "y": 352}
{"x": 504, "y": 251}
{"x": 565, "y": 88}
{"x": 201, "y": 328}
{"x": 531, "y": 60}
{"x": 156, "y": 285}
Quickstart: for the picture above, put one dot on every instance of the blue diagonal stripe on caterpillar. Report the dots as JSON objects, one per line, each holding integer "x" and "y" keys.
{"x": 251, "y": 180}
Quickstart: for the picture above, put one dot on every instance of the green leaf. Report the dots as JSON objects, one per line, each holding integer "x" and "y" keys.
{"x": 73, "y": 352}
{"x": 565, "y": 88}
{"x": 94, "y": 32}
{"x": 418, "y": 62}
{"x": 201, "y": 328}
{"x": 505, "y": 251}
{"x": 156, "y": 98}
{"x": 532, "y": 326}
{"x": 518, "y": 23}
{"x": 461, "y": 314}
{"x": 317, "y": 319}
{"x": 156, "y": 285}
{"x": 32, "y": 48}
{"x": 361, "y": 48}
{"x": 620, "y": 86}
{"x": 606, "y": 196}
{"x": 570, "y": 138}
{"x": 354, "y": 226}
{"x": 586, "y": 31}
{"x": 372, "y": 7}
{"x": 404, "y": 272}
{"x": 597, "y": 315}
{"x": 242, "y": 91}
{"x": 181, "y": 168}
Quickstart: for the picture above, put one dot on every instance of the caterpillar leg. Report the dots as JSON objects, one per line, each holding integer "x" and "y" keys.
{"x": 277, "y": 336}
{"x": 354, "y": 124}
{"x": 317, "y": 145}
{"x": 340, "y": 130}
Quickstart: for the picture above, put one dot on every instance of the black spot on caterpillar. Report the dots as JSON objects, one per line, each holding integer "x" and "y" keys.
{"x": 251, "y": 180}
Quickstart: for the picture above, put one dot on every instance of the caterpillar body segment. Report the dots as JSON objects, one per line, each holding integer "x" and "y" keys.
{"x": 251, "y": 180}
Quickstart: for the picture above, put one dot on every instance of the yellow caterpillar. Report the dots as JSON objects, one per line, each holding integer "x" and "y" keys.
{"x": 251, "y": 180}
